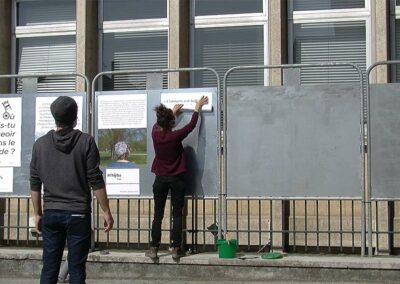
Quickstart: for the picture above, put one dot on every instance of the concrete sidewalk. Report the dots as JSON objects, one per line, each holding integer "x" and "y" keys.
{"x": 206, "y": 267}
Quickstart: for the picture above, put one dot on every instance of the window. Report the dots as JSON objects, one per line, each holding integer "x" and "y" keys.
{"x": 46, "y": 12}
{"x": 134, "y": 36}
{"x": 320, "y": 34}
{"x": 223, "y": 7}
{"x": 230, "y": 46}
{"x": 133, "y": 50}
{"x": 227, "y": 34}
{"x": 45, "y": 42}
{"x": 118, "y": 10}
{"x": 307, "y": 5}
{"x": 48, "y": 55}
{"x": 330, "y": 42}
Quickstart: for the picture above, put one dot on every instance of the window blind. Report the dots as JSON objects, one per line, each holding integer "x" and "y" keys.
{"x": 223, "y": 48}
{"x": 221, "y": 7}
{"x": 304, "y": 5}
{"x": 133, "y": 50}
{"x": 330, "y": 42}
{"x": 117, "y": 10}
{"x": 46, "y": 12}
{"x": 48, "y": 55}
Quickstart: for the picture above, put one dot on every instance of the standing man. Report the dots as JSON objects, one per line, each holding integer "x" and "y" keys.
{"x": 66, "y": 161}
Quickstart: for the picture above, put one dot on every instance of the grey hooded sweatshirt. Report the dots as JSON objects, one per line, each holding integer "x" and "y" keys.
{"x": 66, "y": 162}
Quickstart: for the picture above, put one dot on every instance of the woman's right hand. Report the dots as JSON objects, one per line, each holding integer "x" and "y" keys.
{"x": 177, "y": 109}
{"x": 200, "y": 103}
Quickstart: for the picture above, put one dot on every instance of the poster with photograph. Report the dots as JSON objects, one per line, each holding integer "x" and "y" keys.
{"x": 188, "y": 100}
{"x": 122, "y": 129}
{"x": 10, "y": 132}
{"x": 44, "y": 121}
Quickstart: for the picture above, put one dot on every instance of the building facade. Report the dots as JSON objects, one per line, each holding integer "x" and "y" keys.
{"x": 91, "y": 36}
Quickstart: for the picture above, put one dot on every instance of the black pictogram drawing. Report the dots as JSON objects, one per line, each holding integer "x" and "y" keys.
{"x": 7, "y": 107}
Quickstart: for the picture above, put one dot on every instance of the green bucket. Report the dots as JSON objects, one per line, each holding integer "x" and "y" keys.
{"x": 227, "y": 248}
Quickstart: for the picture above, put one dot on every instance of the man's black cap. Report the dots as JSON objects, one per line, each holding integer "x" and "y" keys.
{"x": 64, "y": 110}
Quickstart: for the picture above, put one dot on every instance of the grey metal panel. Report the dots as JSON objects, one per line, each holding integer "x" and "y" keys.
{"x": 200, "y": 145}
{"x": 385, "y": 140}
{"x": 294, "y": 141}
{"x": 21, "y": 174}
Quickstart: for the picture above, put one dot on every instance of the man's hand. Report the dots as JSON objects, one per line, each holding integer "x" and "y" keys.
{"x": 101, "y": 196}
{"x": 36, "y": 198}
{"x": 38, "y": 222}
{"x": 177, "y": 109}
{"x": 108, "y": 221}
{"x": 200, "y": 103}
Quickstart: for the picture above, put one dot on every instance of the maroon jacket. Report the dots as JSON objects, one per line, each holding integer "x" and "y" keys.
{"x": 169, "y": 159}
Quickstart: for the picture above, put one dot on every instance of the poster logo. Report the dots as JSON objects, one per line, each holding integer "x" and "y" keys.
{"x": 7, "y": 111}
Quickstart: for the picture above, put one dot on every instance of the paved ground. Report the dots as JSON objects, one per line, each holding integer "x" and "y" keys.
{"x": 209, "y": 268}
{"x": 108, "y": 281}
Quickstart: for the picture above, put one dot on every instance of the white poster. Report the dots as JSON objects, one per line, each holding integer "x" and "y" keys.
{"x": 122, "y": 181}
{"x": 44, "y": 121}
{"x": 188, "y": 100}
{"x": 122, "y": 111}
{"x": 6, "y": 179}
{"x": 10, "y": 132}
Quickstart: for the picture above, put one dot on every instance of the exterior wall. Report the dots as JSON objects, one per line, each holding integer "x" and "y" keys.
{"x": 86, "y": 40}
{"x": 277, "y": 39}
{"x": 380, "y": 42}
{"x": 5, "y": 44}
{"x": 178, "y": 42}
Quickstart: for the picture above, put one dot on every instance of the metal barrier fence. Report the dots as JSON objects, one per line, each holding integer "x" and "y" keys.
{"x": 315, "y": 225}
{"x": 218, "y": 111}
{"x": 224, "y": 192}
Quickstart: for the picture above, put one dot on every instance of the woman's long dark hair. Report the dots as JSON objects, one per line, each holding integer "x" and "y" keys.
{"x": 165, "y": 117}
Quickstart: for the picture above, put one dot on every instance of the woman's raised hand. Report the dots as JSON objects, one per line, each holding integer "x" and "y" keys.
{"x": 200, "y": 103}
{"x": 177, "y": 109}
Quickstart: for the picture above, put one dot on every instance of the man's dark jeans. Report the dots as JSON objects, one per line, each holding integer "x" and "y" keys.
{"x": 161, "y": 186}
{"x": 58, "y": 226}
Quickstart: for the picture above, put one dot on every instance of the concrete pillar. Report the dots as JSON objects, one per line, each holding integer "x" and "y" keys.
{"x": 5, "y": 44}
{"x": 380, "y": 40}
{"x": 277, "y": 33}
{"x": 86, "y": 40}
{"x": 178, "y": 41}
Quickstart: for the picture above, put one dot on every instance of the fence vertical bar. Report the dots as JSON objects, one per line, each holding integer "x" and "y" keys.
{"x": 341, "y": 224}
{"x": 377, "y": 226}
{"x": 294, "y": 225}
{"x": 329, "y": 226}
{"x": 27, "y": 220}
{"x": 390, "y": 225}
{"x": 8, "y": 220}
{"x": 139, "y": 217}
{"x": 285, "y": 224}
{"x": 305, "y": 226}
{"x": 317, "y": 225}
{"x": 128, "y": 223}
